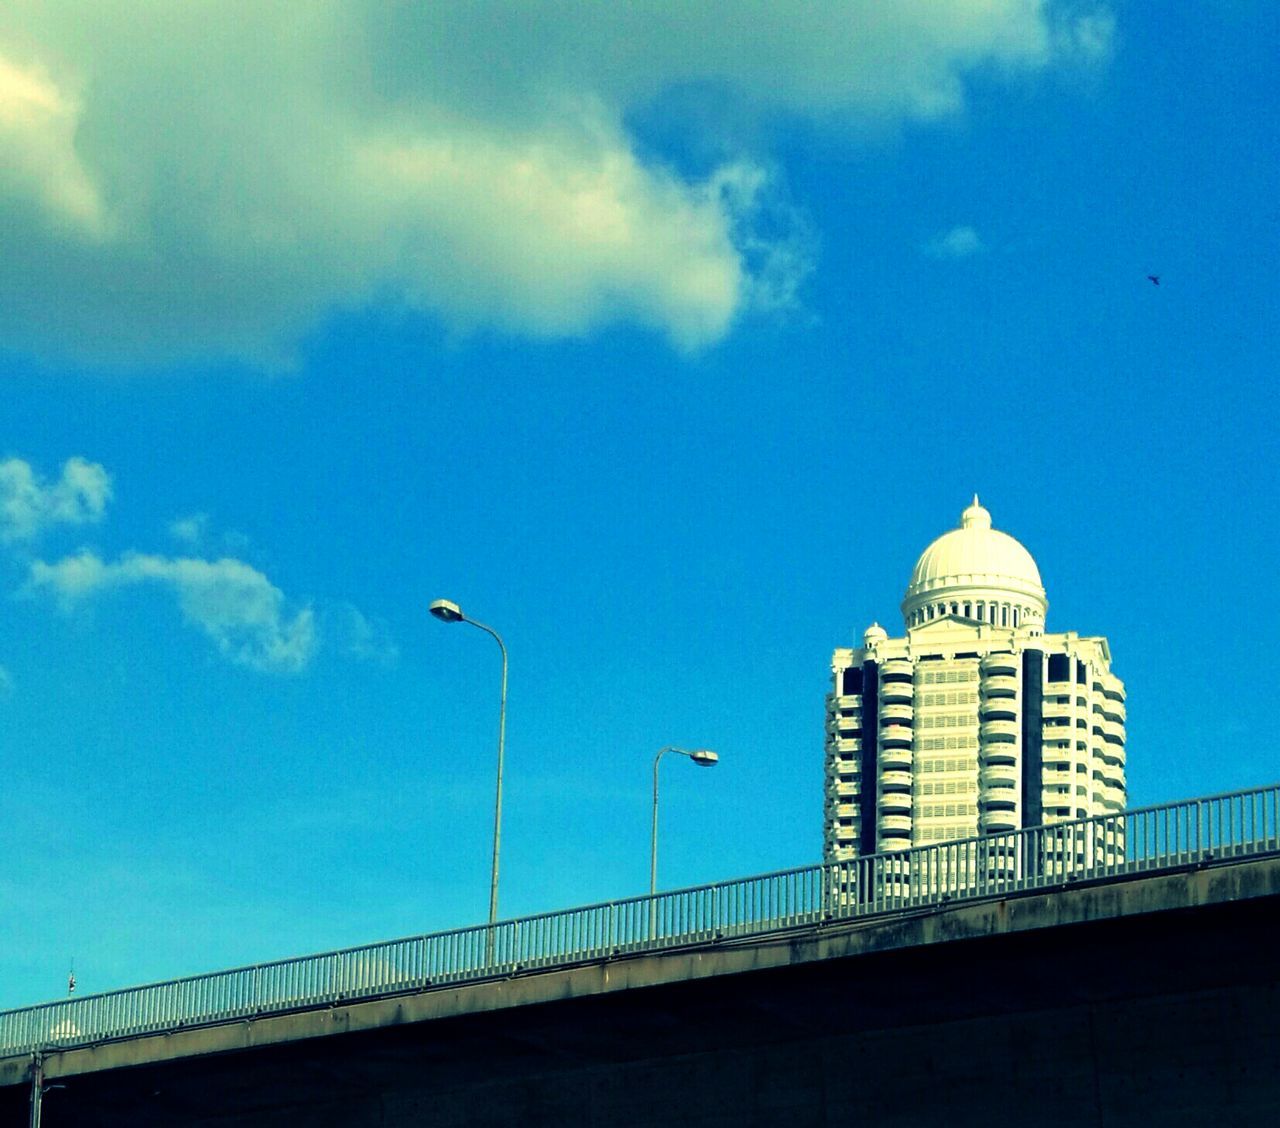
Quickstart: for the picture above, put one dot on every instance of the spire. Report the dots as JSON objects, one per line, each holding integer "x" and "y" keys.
{"x": 975, "y": 517}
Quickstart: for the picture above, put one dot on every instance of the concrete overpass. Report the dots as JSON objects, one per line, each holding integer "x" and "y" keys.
{"x": 1145, "y": 993}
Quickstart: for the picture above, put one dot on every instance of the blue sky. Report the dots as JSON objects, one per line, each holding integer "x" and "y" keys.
{"x": 662, "y": 342}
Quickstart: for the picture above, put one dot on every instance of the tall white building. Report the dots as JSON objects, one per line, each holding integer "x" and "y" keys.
{"x": 976, "y": 721}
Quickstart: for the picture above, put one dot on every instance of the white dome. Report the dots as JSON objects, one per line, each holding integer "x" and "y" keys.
{"x": 978, "y": 568}
{"x": 874, "y": 635}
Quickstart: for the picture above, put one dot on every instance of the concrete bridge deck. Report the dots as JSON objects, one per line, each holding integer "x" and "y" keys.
{"x": 1144, "y": 999}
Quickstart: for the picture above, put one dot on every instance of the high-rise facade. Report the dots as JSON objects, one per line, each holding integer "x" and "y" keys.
{"x": 976, "y": 721}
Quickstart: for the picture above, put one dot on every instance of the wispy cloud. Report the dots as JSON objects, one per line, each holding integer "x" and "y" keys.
{"x": 358, "y": 635}
{"x": 196, "y": 532}
{"x": 959, "y": 242}
{"x": 1087, "y": 38}
{"x": 29, "y": 504}
{"x": 189, "y": 530}
{"x": 232, "y": 603}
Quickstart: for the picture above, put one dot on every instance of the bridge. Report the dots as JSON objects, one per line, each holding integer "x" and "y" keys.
{"x": 1105, "y": 970}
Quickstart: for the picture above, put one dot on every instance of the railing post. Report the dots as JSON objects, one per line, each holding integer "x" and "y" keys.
{"x": 37, "y": 1088}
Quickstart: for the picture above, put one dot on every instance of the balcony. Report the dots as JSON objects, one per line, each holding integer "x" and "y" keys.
{"x": 895, "y": 779}
{"x": 903, "y": 714}
{"x": 899, "y": 801}
{"x": 1001, "y": 664}
{"x": 897, "y": 691}
{"x": 999, "y": 732}
{"x": 998, "y": 777}
{"x": 845, "y": 701}
{"x": 1113, "y": 732}
{"x": 998, "y": 820}
{"x": 999, "y": 685}
{"x": 847, "y": 788}
{"x": 998, "y": 709}
{"x": 1056, "y": 709}
{"x": 896, "y": 826}
{"x": 847, "y": 810}
{"x": 845, "y": 833}
{"x": 1112, "y": 754}
{"x": 895, "y": 669}
{"x": 895, "y": 736}
{"x": 897, "y": 758}
{"x": 999, "y": 754}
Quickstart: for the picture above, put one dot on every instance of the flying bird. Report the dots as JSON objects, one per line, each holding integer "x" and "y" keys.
{"x": 1154, "y": 279}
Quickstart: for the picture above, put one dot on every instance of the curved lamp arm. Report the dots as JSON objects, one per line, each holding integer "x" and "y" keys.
{"x": 704, "y": 758}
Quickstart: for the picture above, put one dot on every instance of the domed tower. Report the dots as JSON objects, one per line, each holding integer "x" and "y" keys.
{"x": 975, "y": 721}
{"x": 978, "y": 573}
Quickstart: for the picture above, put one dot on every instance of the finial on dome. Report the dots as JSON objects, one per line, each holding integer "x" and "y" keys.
{"x": 975, "y": 517}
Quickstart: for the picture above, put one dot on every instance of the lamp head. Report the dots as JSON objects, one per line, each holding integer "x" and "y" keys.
{"x": 446, "y": 611}
{"x": 704, "y": 757}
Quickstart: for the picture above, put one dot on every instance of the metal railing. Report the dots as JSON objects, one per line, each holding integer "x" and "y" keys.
{"x": 1240, "y": 824}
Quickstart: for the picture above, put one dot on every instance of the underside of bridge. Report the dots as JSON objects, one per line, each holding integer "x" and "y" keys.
{"x": 1168, "y": 1017}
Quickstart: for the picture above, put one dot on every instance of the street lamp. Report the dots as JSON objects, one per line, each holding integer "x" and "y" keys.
{"x": 449, "y": 612}
{"x": 704, "y": 758}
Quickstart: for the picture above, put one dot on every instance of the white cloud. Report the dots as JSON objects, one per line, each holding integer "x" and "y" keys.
{"x": 29, "y": 505}
{"x": 223, "y": 182}
{"x": 571, "y": 235}
{"x": 959, "y": 242}
{"x": 38, "y": 122}
{"x": 233, "y": 603}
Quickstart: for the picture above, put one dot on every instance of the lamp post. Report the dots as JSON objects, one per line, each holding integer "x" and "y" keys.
{"x": 704, "y": 758}
{"x": 449, "y": 612}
